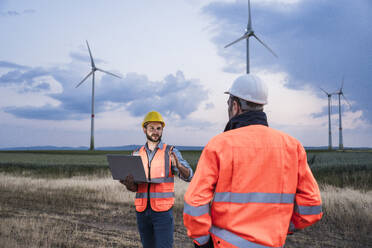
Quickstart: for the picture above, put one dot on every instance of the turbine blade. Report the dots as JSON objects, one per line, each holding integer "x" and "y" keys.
{"x": 112, "y": 74}
{"x": 245, "y": 36}
{"x": 268, "y": 48}
{"x": 346, "y": 100}
{"x": 91, "y": 57}
{"x": 82, "y": 81}
{"x": 342, "y": 83}
{"x": 249, "y": 27}
{"x": 324, "y": 91}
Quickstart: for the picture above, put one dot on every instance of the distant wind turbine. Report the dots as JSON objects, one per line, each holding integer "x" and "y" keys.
{"x": 94, "y": 69}
{"x": 248, "y": 33}
{"x": 339, "y": 93}
{"x": 329, "y": 95}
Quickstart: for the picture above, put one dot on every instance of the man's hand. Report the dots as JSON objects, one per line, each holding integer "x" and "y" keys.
{"x": 129, "y": 183}
{"x": 182, "y": 169}
{"x": 207, "y": 245}
{"x": 174, "y": 159}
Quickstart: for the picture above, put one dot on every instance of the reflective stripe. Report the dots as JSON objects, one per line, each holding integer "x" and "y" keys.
{"x": 166, "y": 159}
{"x": 308, "y": 210}
{"x": 235, "y": 239}
{"x": 163, "y": 180}
{"x": 161, "y": 194}
{"x": 254, "y": 197}
{"x": 195, "y": 211}
{"x": 141, "y": 195}
{"x": 203, "y": 239}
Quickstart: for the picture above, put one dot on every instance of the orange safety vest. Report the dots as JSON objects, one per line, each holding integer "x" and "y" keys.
{"x": 250, "y": 185}
{"x": 161, "y": 189}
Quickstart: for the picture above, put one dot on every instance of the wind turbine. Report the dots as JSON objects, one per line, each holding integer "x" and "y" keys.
{"x": 248, "y": 33}
{"x": 339, "y": 93}
{"x": 94, "y": 69}
{"x": 329, "y": 95}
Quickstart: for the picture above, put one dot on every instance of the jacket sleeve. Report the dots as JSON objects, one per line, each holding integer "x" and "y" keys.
{"x": 308, "y": 203}
{"x": 196, "y": 213}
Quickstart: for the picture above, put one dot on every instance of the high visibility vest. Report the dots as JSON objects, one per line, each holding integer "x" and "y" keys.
{"x": 161, "y": 189}
{"x": 250, "y": 185}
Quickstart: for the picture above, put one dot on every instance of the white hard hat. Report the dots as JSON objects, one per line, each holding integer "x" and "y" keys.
{"x": 249, "y": 88}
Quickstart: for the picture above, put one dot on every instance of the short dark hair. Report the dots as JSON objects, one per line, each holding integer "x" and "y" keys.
{"x": 246, "y": 105}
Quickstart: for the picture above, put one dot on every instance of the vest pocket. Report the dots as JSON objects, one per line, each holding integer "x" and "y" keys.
{"x": 139, "y": 202}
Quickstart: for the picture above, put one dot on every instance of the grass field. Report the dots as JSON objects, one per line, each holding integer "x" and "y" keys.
{"x": 342, "y": 169}
{"x": 68, "y": 199}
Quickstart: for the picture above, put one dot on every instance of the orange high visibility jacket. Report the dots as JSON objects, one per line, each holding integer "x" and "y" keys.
{"x": 161, "y": 189}
{"x": 250, "y": 184}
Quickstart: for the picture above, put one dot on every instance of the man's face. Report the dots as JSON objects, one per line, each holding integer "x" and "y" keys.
{"x": 153, "y": 131}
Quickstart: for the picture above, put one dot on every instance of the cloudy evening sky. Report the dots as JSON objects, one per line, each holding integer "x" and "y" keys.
{"x": 171, "y": 57}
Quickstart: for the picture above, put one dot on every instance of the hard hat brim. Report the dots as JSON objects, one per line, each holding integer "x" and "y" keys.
{"x": 145, "y": 123}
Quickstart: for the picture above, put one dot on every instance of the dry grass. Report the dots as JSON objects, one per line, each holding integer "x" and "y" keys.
{"x": 346, "y": 222}
{"x": 98, "y": 212}
{"x": 74, "y": 212}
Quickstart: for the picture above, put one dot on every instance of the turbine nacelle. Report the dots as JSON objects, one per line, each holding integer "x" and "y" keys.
{"x": 249, "y": 32}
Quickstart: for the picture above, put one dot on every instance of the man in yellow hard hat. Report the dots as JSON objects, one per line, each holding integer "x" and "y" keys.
{"x": 154, "y": 201}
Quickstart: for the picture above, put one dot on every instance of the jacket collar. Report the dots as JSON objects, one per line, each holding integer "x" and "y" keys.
{"x": 159, "y": 146}
{"x": 246, "y": 119}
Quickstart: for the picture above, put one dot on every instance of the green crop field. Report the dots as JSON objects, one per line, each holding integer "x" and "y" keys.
{"x": 59, "y": 164}
{"x": 348, "y": 168}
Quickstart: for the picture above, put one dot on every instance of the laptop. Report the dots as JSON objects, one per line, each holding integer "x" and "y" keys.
{"x": 122, "y": 166}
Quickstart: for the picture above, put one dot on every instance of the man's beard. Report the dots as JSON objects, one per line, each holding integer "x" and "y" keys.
{"x": 153, "y": 139}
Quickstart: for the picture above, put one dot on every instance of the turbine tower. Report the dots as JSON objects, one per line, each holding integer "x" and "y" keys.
{"x": 248, "y": 33}
{"x": 329, "y": 95}
{"x": 339, "y": 93}
{"x": 92, "y": 72}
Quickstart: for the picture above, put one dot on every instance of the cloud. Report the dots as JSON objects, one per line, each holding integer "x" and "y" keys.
{"x": 29, "y": 11}
{"x": 47, "y": 112}
{"x": 6, "y": 64}
{"x": 17, "y": 13}
{"x": 27, "y": 79}
{"x": 175, "y": 96}
{"x": 318, "y": 42}
{"x": 38, "y": 87}
{"x": 209, "y": 105}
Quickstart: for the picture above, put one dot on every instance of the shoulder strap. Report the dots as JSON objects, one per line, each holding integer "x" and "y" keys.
{"x": 136, "y": 151}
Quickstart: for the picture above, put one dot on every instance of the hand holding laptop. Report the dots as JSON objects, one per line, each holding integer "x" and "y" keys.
{"x": 129, "y": 183}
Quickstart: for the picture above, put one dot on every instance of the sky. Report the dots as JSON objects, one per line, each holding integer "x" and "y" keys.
{"x": 171, "y": 58}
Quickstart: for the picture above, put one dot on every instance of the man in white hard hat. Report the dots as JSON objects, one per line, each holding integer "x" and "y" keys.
{"x": 252, "y": 185}
{"x": 154, "y": 201}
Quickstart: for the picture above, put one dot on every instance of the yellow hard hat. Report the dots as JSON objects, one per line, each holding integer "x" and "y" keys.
{"x": 153, "y": 116}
